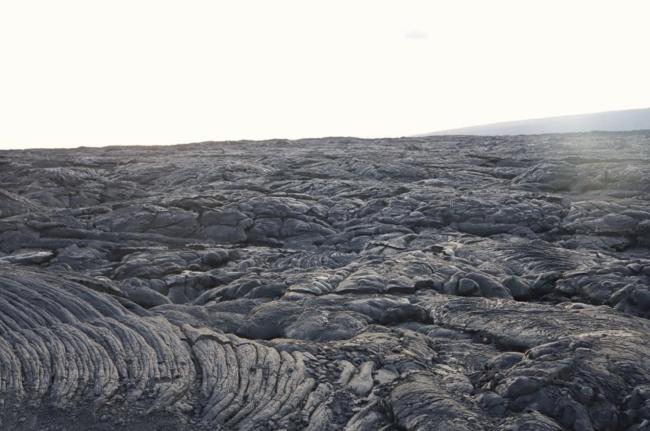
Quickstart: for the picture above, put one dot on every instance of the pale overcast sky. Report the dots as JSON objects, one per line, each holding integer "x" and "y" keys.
{"x": 161, "y": 72}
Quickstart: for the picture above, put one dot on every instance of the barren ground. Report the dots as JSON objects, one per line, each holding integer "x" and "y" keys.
{"x": 442, "y": 283}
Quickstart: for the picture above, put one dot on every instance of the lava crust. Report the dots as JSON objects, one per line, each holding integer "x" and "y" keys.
{"x": 434, "y": 283}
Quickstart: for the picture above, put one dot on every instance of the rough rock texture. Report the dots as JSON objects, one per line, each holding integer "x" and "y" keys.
{"x": 440, "y": 283}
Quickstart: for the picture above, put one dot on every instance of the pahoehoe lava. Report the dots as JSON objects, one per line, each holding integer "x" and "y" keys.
{"x": 430, "y": 283}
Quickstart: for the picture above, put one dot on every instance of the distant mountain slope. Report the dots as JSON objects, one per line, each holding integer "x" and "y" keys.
{"x": 632, "y": 119}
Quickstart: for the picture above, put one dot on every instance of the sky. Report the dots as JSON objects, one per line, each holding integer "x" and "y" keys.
{"x": 124, "y": 72}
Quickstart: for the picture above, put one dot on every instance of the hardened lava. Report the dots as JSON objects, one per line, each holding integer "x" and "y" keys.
{"x": 438, "y": 283}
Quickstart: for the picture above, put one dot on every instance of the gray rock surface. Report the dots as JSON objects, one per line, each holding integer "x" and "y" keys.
{"x": 460, "y": 283}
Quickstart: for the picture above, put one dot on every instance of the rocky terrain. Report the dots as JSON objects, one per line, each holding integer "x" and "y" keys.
{"x": 433, "y": 283}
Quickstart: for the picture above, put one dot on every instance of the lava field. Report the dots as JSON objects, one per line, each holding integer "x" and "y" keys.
{"x": 431, "y": 283}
